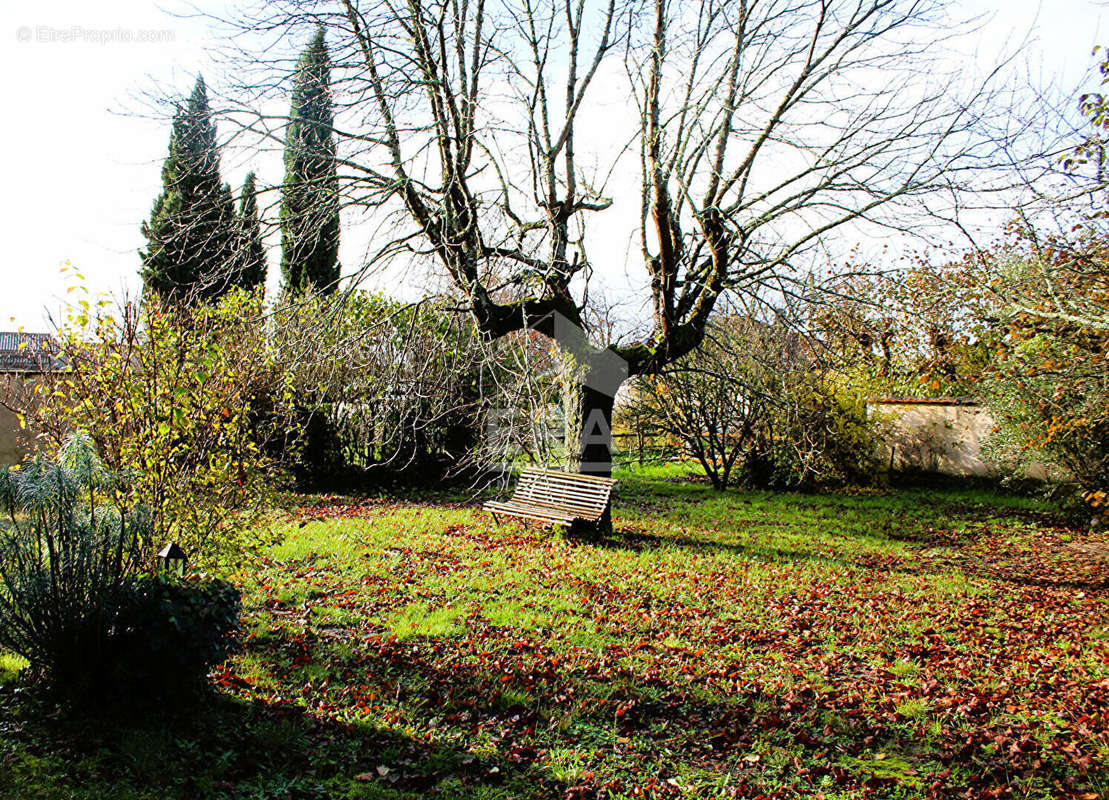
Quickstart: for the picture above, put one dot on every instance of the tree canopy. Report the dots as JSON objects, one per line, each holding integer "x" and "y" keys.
{"x": 483, "y": 139}
{"x": 190, "y": 235}
{"x": 250, "y": 251}
{"x": 310, "y": 201}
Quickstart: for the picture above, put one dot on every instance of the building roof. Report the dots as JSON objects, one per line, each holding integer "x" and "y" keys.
{"x": 27, "y": 352}
{"x": 924, "y": 401}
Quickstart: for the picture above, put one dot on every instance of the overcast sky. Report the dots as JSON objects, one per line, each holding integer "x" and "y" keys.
{"x": 79, "y": 176}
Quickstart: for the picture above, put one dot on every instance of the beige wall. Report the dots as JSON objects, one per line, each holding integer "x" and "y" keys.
{"x": 13, "y": 447}
{"x": 941, "y": 437}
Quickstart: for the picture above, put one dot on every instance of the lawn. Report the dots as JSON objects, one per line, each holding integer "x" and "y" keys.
{"x": 914, "y": 643}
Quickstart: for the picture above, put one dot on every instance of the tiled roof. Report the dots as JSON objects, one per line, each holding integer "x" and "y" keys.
{"x": 27, "y": 352}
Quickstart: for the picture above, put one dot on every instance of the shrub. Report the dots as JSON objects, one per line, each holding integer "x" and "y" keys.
{"x": 381, "y": 387}
{"x": 166, "y": 633}
{"x": 183, "y": 401}
{"x": 718, "y": 401}
{"x": 820, "y": 434}
{"x": 389, "y": 390}
{"x": 73, "y": 601}
{"x": 755, "y": 402}
{"x": 1048, "y": 386}
{"x": 64, "y": 558}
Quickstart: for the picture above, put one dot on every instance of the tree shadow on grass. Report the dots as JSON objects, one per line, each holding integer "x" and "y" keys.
{"x": 220, "y": 746}
{"x": 620, "y": 734}
{"x": 493, "y": 690}
{"x": 627, "y": 731}
{"x": 995, "y": 566}
{"x": 638, "y": 541}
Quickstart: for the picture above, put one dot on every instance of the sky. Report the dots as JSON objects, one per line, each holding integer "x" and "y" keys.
{"x": 82, "y": 166}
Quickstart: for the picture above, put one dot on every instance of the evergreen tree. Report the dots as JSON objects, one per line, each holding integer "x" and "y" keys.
{"x": 310, "y": 200}
{"x": 191, "y": 232}
{"x": 250, "y": 254}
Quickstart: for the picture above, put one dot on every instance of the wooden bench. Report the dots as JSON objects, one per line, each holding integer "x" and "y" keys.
{"x": 558, "y": 498}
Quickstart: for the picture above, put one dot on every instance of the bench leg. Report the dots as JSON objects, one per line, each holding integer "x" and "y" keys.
{"x": 496, "y": 519}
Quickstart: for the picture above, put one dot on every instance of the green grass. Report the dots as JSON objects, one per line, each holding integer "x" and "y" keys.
{"x": 878, "y": 644}
{"x": 10, "y": 667}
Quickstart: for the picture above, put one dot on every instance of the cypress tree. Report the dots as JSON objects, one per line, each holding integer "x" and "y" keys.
{"x": 250, "y": 254}
{"x": 191, "y": 231}
{"x": 310, "y": 198}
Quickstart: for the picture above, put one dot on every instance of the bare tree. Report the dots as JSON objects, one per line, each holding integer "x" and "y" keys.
{"x": 717, "y": 401}
{"x": 762, "y": 127}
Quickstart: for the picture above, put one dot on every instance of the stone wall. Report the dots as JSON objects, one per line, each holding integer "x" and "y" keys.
{"x": 944, "y": 436}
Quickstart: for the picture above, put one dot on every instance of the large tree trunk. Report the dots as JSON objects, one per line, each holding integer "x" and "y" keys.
{"x": 595, "y": 456}
{"x": 606, "y": 370}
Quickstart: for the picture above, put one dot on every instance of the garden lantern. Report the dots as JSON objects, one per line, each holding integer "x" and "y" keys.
{"x": 173, "y": 556}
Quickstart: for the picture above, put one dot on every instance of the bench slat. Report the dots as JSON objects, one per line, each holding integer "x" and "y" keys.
{"x": 574, "y": 476}
{"x": 559, "y": 496}
{"x": 564, "y": 510}
{"x": 551, "y": 480}
{"x": 553, "y": 509}
{"x": 562, "y": 495}
{"x": 547, "y": 511}
{"x": 563, "y": 489}
{"x": 566, "y": 506}
{"x": 556, "y": 491}
{"x": 533, "y": 512}
{"x": 539, "y": 517}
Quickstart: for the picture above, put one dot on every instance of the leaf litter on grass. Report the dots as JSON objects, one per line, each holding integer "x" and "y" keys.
{"x": 893, "y": 645}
